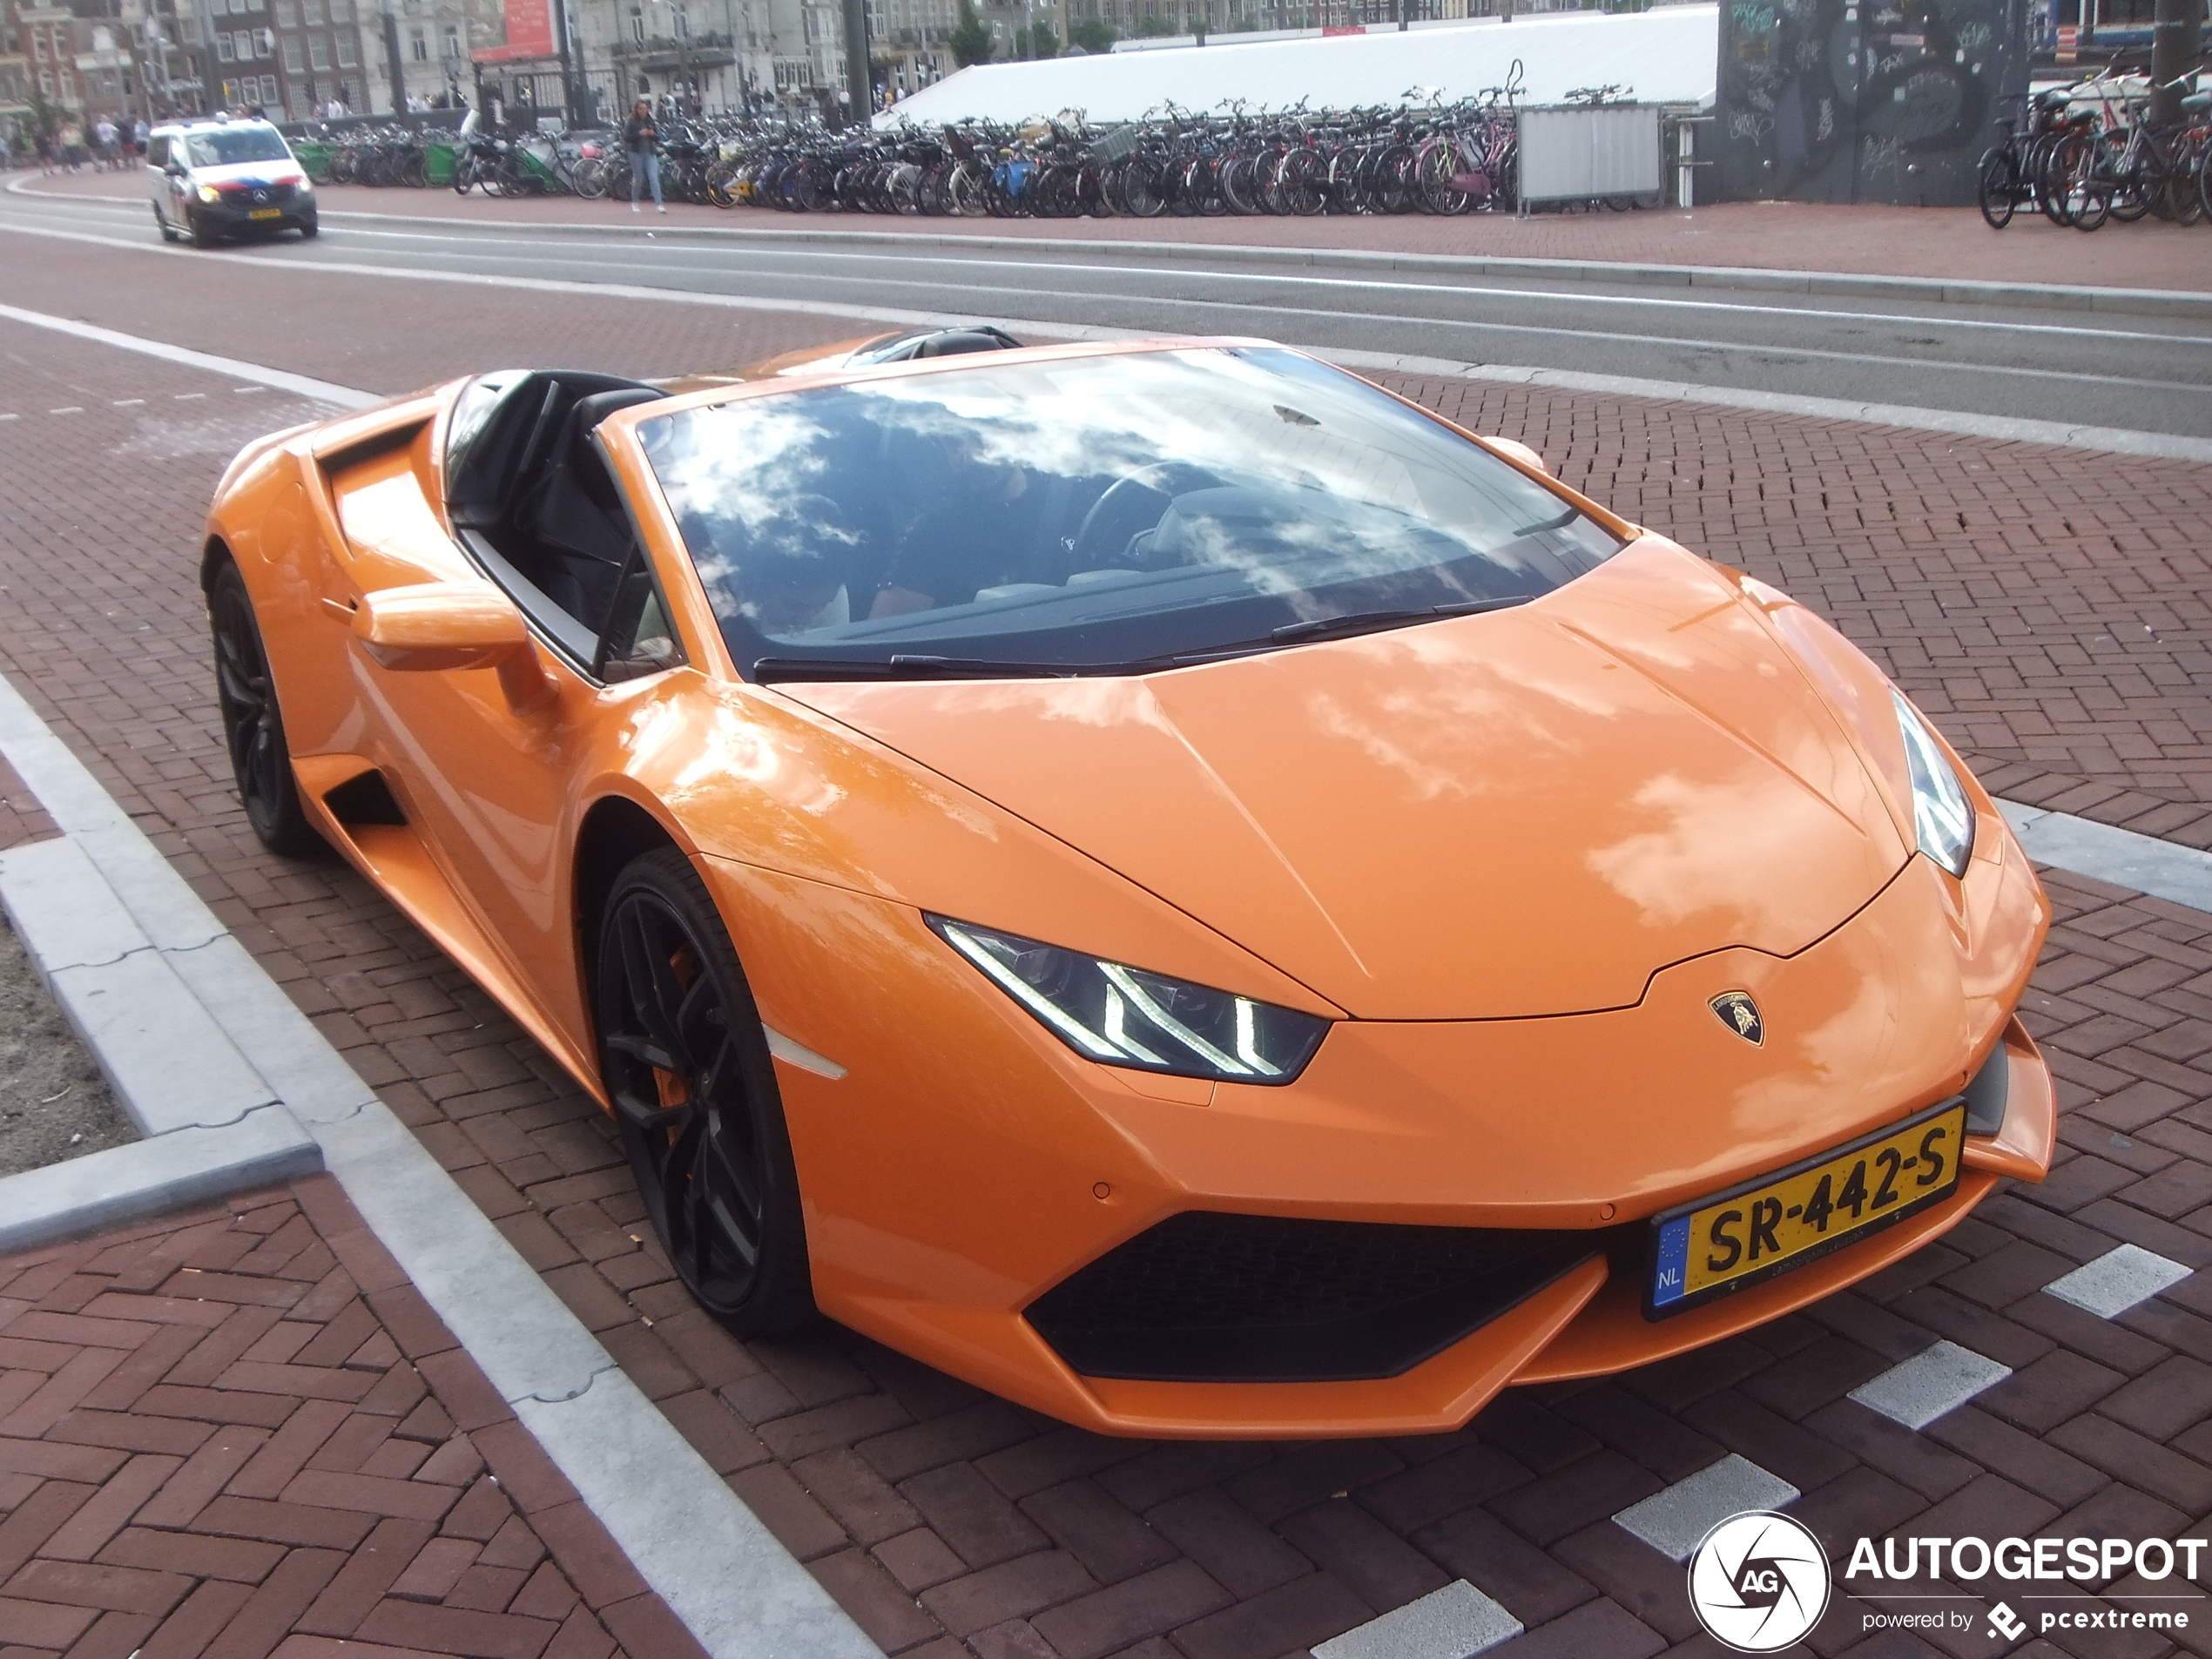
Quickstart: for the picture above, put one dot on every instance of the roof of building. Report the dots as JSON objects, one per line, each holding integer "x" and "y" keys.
{"x": 1666, "y": 56}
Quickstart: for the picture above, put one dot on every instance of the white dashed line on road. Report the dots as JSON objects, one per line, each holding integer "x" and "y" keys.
{"x": 1931, "y": 1383}
{"x": 1673, "y": 1521}
{"x": 1455, "y": 1622}
{"x": 70, "y": 408}
{"x": 127, "y": 402}
{"x": 2117, "y": 1280}
{"x": 186, "y": 397}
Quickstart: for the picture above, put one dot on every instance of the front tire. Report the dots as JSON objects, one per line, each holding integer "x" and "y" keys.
{"x": 686, "y": 1066}
{"x": 253, "y": 725}
{"x": 168, "y": 231}
{"x": 311, "y": 228}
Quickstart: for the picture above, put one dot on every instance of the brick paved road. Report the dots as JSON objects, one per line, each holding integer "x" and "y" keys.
{"x": 1785, "y": 236}
{"x": 240, "y": 1431}
{"x": 942, "y": 1517}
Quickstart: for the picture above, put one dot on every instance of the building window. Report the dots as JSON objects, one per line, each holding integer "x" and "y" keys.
{"x": 311, "y": 10}
{"x": 347, "y": 58}
{"x": 225, "y": 52}
{"x": 682, "y": 25}
{"x": 318, "y": 53}
{"x": 452, "y": 46}
{"x": 418, "y": 46}
{"x": 287, "y": 14}
{"x": 341, "y": 11}
{"x": 294, "y": 64}
{"x": 637, "y": 25}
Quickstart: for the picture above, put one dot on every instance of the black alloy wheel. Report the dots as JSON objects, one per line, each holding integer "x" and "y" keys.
{"x": 253, "y": 725}
{"x": 685, "y": 1063}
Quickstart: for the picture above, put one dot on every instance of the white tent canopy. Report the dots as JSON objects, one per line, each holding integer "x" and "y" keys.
{"x": 1668, "y": 55}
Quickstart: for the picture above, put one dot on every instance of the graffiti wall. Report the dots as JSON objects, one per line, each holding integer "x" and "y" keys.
{"x": 1863, "y": 100}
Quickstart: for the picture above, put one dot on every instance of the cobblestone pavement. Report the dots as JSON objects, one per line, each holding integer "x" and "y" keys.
{"x": 1776, "y": 236}
{"x": 240, "y": 1431}
{"x": 2007, "y": 586}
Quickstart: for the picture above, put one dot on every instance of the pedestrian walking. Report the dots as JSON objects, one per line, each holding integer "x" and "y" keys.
{"x": 44, "y": 141}
{"x": 104, "y": 135}
{"x": 641, "y": 137}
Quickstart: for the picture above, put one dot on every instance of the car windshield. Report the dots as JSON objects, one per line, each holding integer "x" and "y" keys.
{"x": 1104, "y": 514}
{"x": 228, "y": 146}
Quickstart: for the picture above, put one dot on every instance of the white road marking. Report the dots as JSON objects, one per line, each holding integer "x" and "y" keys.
{"x": 128, "y": 402}
{"x": 1675, "y": 1521}
{"x": 2163, "y": 869}
{"x": 299, "y": 385}
{"x": 70, "y": 408}
{"x": 615, "y": 242}
{"x": 1960, "y": 423}
{"x": 1931, "y": 1383}
{"x": 1455, "y": 1622}
{"x": 2118, "y": 1280}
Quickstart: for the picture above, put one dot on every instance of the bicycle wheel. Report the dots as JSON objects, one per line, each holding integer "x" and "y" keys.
{"x": 464, "y": 173}
{"x": 1435, "y": 171}
{"x": 1239, "y": 186}
{"x": 591, "y": 179}
{"x": 1299, "y": 181}
{"x": 2000, "y": 188}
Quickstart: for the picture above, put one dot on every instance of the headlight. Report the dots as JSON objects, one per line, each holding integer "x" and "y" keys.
{"x": 209, "y": 194}
{"x": 1125, "y": 1017}
{"x": 1941, "y": 816}
{"x": 305, "y": 187}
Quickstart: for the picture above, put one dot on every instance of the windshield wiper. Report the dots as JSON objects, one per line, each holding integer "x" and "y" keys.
{"x": 909, "y": 666}
{"x": 904, "y": 665}
{"x": 1367, "y": 621}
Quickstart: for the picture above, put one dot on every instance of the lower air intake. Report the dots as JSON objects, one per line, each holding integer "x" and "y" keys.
{"x": 1210, "y": 1297}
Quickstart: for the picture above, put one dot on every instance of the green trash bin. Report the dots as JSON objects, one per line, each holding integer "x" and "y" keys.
{"x": 439, "y": 159}
{"x": 314, "y": 159}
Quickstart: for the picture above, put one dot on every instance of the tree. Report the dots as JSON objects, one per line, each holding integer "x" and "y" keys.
{"x": 1152, "y": 26}
{"x": 1095, "y": 35}
{"x": 971, "y": 38}
{"x": 1044, "y": 40}
{"x": 45, "y": 118}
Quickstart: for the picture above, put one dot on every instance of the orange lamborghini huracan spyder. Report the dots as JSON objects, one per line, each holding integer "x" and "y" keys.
{"x": 1162, "y": 878}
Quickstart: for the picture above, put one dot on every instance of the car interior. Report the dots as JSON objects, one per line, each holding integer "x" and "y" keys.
{"x": 531, "y": 495}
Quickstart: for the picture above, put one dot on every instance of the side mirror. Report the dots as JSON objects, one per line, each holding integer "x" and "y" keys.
{"x": 434, "y": 627}
{"x": 1519, "y": 452}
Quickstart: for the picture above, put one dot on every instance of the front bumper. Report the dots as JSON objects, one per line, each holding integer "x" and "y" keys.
{"x": 964, "y": 1163}
{"x": 232, "y": 217}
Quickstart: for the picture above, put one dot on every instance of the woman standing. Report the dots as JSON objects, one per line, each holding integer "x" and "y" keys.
{"x": 641, "y": 137}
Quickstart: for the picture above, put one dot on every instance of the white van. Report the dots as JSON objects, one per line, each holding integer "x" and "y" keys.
{"x": 222, "y": 178}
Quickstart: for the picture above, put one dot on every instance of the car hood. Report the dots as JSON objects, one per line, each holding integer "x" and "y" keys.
{"x": 1526, "y": 813}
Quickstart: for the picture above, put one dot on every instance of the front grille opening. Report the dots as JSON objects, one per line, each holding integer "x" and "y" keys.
{"x": 1205, "y": 1297}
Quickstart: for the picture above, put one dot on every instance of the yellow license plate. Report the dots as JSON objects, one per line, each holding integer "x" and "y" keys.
{"x": 1781, "y": 1221}
{"x": 267, "y": 213}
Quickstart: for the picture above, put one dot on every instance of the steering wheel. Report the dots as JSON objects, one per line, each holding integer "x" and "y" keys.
{"x": 1132, "y": 503}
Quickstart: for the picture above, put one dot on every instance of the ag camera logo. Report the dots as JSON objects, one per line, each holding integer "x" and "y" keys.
{"x": 1758, "y": 1582}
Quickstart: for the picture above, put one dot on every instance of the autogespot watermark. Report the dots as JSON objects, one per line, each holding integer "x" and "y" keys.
{"x": 1760, "y": 1582}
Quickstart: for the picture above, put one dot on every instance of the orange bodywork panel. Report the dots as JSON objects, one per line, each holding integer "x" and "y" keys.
{"x": 1482, "y": 848}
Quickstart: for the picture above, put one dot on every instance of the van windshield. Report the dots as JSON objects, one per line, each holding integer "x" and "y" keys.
{"x": 1095, "y": 515}
{"x": 230, "y": 145}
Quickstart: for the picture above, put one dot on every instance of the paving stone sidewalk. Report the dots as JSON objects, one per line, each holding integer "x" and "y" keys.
{"x": 950, "y": 1522}
{"x": 240, "y": 1431}
{"x": 1950, "y": 243}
